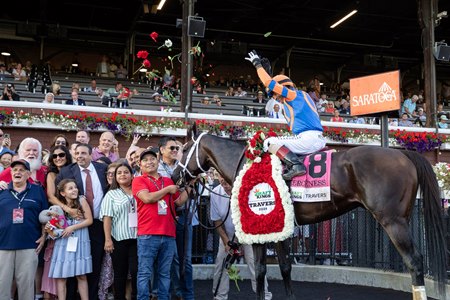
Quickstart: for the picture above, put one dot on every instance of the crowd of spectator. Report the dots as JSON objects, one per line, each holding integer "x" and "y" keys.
{"x": 328, "y": 101}
{"x": 118, "y": 213}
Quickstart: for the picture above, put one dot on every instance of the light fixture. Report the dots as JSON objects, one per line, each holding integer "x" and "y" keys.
{"x": 161, "y": 4}
{"x": 75, "y": 64}
{"x": 6, "y": 54}
{"x": 321, "y": 83}
{"x": 143, "y": 70}
{"x": 344, "y": 18}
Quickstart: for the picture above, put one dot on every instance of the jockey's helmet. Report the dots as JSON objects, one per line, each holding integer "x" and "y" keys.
{"x": 283, "y": 80}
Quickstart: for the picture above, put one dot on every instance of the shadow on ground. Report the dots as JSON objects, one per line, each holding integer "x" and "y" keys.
{"x": 304, "y": 291}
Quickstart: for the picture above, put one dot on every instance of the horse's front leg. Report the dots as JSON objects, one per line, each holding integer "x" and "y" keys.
{"x": 285, "y": 263}
{"x": 260, "y": 252}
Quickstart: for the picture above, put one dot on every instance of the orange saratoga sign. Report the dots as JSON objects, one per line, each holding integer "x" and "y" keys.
{"x": 375, "y": 93}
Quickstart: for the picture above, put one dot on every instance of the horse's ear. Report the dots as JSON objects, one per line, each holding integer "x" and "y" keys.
{"x": 192, "y": 131}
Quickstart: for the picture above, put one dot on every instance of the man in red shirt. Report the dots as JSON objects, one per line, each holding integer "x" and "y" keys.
{"x": 156, "y": 196}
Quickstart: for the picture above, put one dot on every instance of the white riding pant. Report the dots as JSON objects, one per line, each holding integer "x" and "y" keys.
{"x": 303, "y": 143}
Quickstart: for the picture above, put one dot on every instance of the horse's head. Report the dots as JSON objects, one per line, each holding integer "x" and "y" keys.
{"x": 194, "y": 160}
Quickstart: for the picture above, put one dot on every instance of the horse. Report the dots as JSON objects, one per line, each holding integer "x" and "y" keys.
{"x": 383, "y": 181}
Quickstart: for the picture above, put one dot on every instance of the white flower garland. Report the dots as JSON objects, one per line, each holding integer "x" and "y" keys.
{"x": 286, "y": 201}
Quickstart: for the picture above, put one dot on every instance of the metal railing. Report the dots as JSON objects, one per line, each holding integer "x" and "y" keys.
{"x": 353, "y": 239}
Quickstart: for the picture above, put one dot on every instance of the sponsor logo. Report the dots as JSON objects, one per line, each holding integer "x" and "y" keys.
{"x": 261, "y": 199}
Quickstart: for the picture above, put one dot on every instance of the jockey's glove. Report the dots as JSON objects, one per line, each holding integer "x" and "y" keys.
{"x": 267, "y": 143}
{"x": 254, "y": 58}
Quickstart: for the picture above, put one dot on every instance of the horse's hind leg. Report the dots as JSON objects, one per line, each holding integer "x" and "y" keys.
{"x": 260, "y": 252}
{"x": 285, "y": 262}
{"x": 399, "y": 233}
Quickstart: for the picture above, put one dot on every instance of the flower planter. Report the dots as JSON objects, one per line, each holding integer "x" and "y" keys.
{"x": 169, "y": 131}
{"x": 36, "y": 125}
{"x": 373, "y": 143}
{"x": 445, "y": 146}
{"x": 445, "y": 194}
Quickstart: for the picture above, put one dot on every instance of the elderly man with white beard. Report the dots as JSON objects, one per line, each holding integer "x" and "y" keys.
{"x": 30, "y": 149}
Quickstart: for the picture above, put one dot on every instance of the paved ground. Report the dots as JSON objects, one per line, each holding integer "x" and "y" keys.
{"x": 304, "y": 291}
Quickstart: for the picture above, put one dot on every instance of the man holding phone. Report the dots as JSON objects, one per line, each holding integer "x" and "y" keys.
{"x": 9, "y": 93}
{"x": 5, "y": 143}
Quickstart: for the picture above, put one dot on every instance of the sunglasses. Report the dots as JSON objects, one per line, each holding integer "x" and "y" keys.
{"x": 60, "y": 155}
{"x": 173, "y": 148}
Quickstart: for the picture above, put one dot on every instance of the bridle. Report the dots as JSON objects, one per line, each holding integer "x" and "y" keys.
{"x": 194, "y": 148}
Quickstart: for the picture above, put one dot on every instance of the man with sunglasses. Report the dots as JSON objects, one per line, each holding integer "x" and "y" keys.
{"x": 168, "y": 152}
{"x": 183, "y": 287}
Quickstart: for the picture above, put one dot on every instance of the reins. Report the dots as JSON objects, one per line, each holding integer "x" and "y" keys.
{"x": 196, "y": 192}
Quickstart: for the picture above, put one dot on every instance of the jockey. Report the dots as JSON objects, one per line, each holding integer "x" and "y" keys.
{"x": 301, "y": 115}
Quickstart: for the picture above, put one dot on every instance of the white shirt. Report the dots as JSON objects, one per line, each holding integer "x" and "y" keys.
{"x": 96, "y": 188}
{"x": 270, "y": 104}
{"x": 219, "y": 209}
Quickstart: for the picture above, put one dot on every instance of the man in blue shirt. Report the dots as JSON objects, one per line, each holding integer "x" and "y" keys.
{"x": 409, "y": 106}
{"x": 301, "y": 115}
{"x": 21, "y": 235}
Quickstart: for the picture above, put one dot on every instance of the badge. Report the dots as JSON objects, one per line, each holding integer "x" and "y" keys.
{"x": 17, "y": 215}
{"x": 72, "y": 243}
{"x": 132, "y": 219}
{"x": 162, "y": 207}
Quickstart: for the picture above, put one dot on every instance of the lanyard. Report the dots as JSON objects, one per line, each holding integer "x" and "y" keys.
{"x": 154, "y": 183}
{"x": 21, "y": 199}
{"x": 131, "y": 199}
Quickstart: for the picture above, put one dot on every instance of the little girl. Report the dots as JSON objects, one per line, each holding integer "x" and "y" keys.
{"x": 72, "y": 252}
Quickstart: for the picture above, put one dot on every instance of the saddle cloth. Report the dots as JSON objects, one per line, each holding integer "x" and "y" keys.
{"x": 314, "y": 186}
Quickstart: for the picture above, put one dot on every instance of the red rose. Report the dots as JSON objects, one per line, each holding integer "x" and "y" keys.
{"x": 257, "y": 152}
{"x": 271, "y": 134}
{"x": 154, "y": 35}
{"x": 253, "y": 143}
{"x": 146, "y": 63}
{"x": 142, "y": 54}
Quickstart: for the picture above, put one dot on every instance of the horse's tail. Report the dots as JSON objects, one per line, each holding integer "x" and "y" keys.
{"x": 434, "y": 226}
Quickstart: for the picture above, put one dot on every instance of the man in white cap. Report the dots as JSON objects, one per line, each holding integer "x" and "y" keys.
{"x": 157, "y": 97}
{"x": 443, "y": 122}
{"x": 205, "y": 101}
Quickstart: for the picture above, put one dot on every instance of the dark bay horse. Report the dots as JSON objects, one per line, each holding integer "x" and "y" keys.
{"x": 383, "y": 181}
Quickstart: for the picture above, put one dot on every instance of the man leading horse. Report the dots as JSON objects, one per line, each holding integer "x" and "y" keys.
{"x": 302, "y": 117}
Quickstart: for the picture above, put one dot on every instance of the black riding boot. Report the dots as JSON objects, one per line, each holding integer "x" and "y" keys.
{"x": 294, "y": 166}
